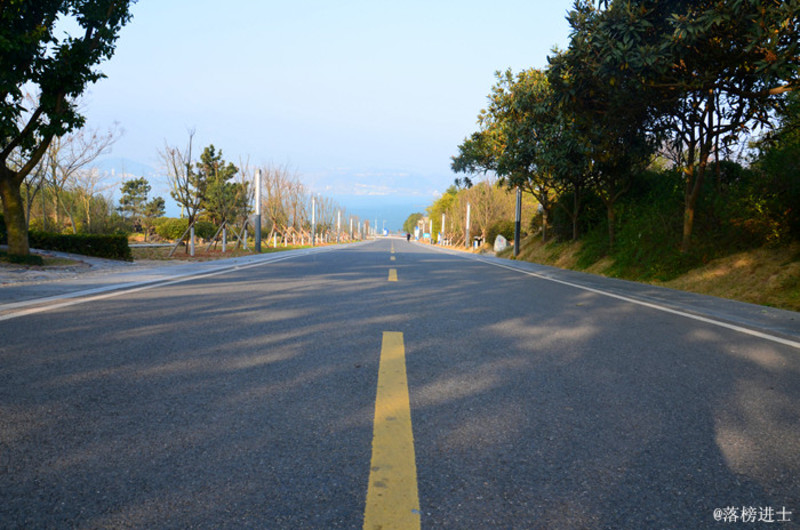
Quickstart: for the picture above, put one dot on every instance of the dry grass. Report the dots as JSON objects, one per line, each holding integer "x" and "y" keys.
{"x": 765, "y": 276}
{"x": 200, "y": 253}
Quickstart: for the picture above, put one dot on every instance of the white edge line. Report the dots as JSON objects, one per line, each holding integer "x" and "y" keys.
{"x": 133, "y": 287}
{"x": 734, "y": 327}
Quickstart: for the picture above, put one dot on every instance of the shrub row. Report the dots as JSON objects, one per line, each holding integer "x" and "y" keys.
{"x": 102, "y": 246}
{"x": 171, "y": 228}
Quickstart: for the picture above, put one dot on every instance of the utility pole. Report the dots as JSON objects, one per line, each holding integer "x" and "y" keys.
{"x": 517, "y": 222}
{"x": 257, "y": 220}
{"x": 313, "y": 220}
{"x": 466, "y": 242}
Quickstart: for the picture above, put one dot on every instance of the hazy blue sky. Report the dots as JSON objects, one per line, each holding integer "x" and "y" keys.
{"x": 367, "y": 100}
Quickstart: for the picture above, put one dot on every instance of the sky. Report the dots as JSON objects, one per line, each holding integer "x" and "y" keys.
{"x": 365, "y": 100}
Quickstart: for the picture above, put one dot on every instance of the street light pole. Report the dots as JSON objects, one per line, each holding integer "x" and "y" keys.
{"x": 466, "y": 242}
{"x": 257, "y": 220}
{"x": 313, "y": 220}
{"x": 517, "y": 222}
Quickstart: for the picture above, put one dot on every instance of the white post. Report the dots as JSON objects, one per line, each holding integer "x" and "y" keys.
{"x": 224, "y": 238}
{"x": 338, "y": 224}
{"x": 191, "y": 241}
{"x": 444, "y": 217}
{"x": 313, "y": 221}
{"x": 467, "y": 242}
{"x": 258, "y": 212}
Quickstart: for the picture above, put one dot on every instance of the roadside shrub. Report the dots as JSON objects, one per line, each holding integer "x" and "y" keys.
{"x": 30, "y": 259}
{"x": 503, "y": 228}
{"x": 113, "y": 246}
{"x": 204, "y": 229}
{"x": 172, "y": 228}
{"x": 3, "y": 234}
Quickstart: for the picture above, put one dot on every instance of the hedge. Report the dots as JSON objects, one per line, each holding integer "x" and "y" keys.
{"x": 101, "y": 246}
{"x": 3, "y": 234}
{"x": 172, "y": 228}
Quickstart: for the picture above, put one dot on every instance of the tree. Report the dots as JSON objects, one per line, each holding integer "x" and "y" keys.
{"x": 411, "y": 222}
{"x": 711, "y": 71}
{"x": 134, "y": 198}
{"x": 67, "y": 159}
{"x": 60, "y": 69}
{"x": 510, "y": 140}
{"x": 222, "y": 200}
{"x": 606, "y": 108}
{"x": 188, "y": 190}
{"x": 154, "y": 209}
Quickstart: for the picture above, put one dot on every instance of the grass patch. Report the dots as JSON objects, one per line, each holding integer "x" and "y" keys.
{"x": 200, "y": 253}
{"x": 15, "y": 259}
{"x": 35, "y": 260}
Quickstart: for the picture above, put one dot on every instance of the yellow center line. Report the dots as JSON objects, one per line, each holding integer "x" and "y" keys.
{"x": 392, "y": 496}
{"x": 392, "y": 258}
{"x": 392, "y": 275}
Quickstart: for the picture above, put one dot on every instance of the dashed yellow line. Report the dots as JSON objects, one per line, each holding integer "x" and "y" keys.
{"x": 392, "y": 258}
{"x": 392, "y": 275}
{"x": 392, "y": 496}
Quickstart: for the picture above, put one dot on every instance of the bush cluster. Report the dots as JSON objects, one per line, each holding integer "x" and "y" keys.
{"x": 503, "y": 228}
{"x": 102, "y": 246}
{"x": 172, "y": 228}
{"x": 3, "y": 234}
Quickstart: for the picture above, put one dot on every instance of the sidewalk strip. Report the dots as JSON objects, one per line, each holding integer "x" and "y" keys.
{"x": 392, "y": 496}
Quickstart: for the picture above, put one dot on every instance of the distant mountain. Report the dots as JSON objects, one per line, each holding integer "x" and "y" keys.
{"x": 126, "y": 167}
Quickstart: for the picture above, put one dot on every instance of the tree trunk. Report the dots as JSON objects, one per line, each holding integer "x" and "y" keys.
{"x": 14, "y": 213}
{"x": 612, "y": 219}
{"x": 576, "y": 208}
{"x": 693, "y": 193}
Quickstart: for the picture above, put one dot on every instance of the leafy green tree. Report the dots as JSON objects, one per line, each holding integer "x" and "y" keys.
{"x": 156, "y": 207}
{"x": 442, "y": 206}
{"x": 134, "y": 198}
{"x": 711, "y": 71}
{"x": 509, "y": 142}
{"x": 34, "y": 56}
{"x": 411, "y": 222}
{"x": 606, "y": 111}
{"x": 223, "y": 200}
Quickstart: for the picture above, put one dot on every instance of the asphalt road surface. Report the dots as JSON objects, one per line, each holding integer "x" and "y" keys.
{"x": 247, "y": 399}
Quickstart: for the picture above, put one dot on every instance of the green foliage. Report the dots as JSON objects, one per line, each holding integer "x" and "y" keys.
{"x": 3, "y": 234}
{"x": 222, "y": 199}
{"x": 205, "y": 229}
{"x": 30, "y": 259}
{"x": 172, "y": 228}
{"x": 504, "y": 227}
{"x": 411, "y": 222}
{"x": 134, "y": 197}
{"x": 103, "y": 246}
{"x": 38, "y": 59}
{"x": 155, "y": 208}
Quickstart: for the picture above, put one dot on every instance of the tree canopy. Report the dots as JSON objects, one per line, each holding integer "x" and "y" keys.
{"x": 639, "y": 77}
{"x": 58, "y": 69}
